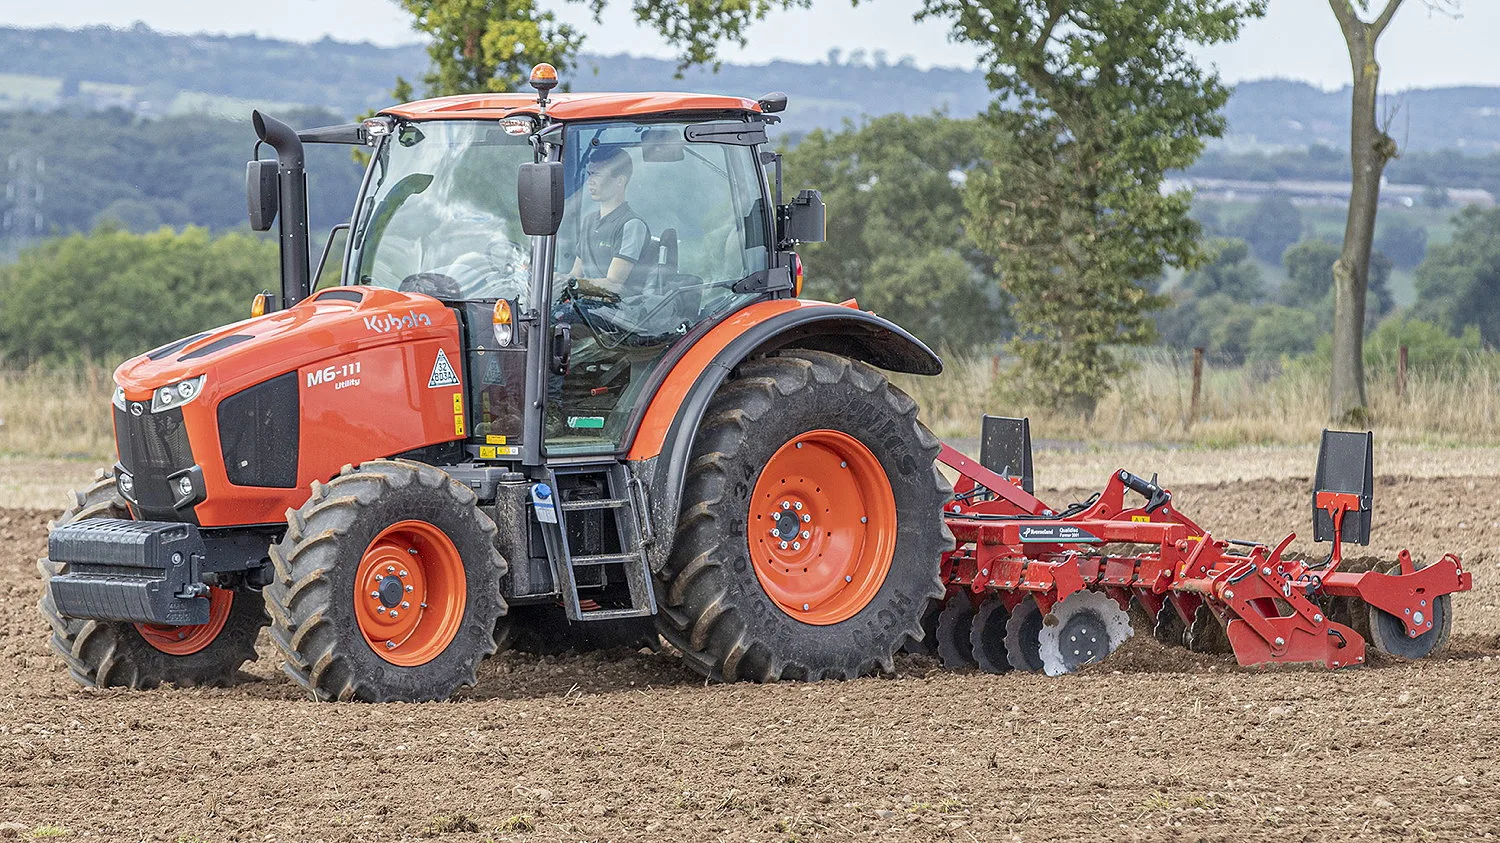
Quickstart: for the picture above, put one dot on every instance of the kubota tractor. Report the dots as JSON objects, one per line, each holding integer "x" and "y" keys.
{"x": 566, "y": 372}
{"x": 519, "y": 395}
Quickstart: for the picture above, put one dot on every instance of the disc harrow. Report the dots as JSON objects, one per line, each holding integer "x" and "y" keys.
{"x": 1045, "y": 590}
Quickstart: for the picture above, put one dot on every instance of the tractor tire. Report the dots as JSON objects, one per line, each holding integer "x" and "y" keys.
{"x": 387, "y": 586}
{"x": 825, "y": 453}
{"x": 118, "y": 654}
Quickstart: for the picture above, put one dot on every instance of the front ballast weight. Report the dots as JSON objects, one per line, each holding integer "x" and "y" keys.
{"x": 1016, "y": 558}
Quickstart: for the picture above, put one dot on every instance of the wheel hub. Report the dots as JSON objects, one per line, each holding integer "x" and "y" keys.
{"x": 823, "y": 527}
{"x": 391, "y": 591}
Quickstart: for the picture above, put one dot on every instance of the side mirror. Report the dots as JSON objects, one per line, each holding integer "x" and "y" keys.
{"x": 804, "y": 219}
{"x": 261, "y": 194}
{"x": 539, "y": 191}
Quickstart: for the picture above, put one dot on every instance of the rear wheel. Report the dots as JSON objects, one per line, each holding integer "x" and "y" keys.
{"x": 116, "y": 654}
{"x": 387, "y": 586}
{"x": 811, "y": 529}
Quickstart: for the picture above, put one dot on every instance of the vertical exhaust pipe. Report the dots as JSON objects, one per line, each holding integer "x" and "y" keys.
{"x": 291, "y": 173}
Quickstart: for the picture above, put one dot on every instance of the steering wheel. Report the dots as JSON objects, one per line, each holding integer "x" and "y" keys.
{"x": 434, "y": 284}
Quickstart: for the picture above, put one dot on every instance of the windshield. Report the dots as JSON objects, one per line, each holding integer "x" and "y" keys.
{"x": 440, "y": 216}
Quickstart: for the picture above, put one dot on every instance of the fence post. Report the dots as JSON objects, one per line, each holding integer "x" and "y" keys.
{"x": 1197, "y": 384}
{"x": 1401, "y": 373}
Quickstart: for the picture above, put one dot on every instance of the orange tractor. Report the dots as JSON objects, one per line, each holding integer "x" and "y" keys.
{"x": 525, "y": 392}
{"x": 566, "y": 390}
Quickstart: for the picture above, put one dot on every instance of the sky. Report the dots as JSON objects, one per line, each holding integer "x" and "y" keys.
{"x": 1298, "y": 39}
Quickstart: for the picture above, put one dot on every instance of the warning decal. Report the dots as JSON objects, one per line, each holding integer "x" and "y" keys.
{"x": 442, "y": 373}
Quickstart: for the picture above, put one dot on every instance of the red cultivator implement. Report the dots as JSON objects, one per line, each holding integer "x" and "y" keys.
{"x": 1039, "y": 589}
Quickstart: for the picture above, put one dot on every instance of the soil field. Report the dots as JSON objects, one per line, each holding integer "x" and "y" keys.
{"x": 1153, "y": 744}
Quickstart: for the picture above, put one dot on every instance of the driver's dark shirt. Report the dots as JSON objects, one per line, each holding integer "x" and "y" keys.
{"x": 619, "y": 234}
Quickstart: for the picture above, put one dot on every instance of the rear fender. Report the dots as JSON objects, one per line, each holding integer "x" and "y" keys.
{"x": 664, "y": 439}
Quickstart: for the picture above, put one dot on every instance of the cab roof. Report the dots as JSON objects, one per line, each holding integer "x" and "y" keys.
{"x": 567, "y": 106}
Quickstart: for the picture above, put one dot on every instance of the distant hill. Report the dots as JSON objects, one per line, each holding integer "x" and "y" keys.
{"x": 156, "y": 74}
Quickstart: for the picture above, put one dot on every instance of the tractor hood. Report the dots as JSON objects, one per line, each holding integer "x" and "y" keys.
{"x": 331, "y": 323}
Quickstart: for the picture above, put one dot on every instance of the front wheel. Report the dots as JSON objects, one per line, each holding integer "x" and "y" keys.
{"x": 119, "y": 654}
{"x": 811, "y": 530}
{"x": 387, "y": 586}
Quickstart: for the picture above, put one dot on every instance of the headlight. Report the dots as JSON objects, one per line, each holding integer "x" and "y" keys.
{"x": 184, "y": 487}
{"x": 119, "y": 398}
{"x": 127, "y": 485}
{"x": 174, "y": 394}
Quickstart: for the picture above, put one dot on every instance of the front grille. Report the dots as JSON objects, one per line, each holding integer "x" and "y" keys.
{"x": 153, "y": 446}
{"x": 258, "y": 429}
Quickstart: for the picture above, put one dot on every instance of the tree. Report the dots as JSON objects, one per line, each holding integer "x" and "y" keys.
{"x": 1095, "y": 100}
{"x": 487, "y": 45}
{"x": 1229, "y": 271}
{"x": 111, "y": 294}
{"x": 1309, "y": 271}
{"x": 1273, "y": 225}
{"x": 1458, "y": 286}
{"x": 1402, "y": 239}
{"x": 481, "y": 46}
{"x": 1370, "y": 148}
{"x": 896, "y": 238}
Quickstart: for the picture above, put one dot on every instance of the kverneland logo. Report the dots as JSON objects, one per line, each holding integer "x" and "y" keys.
{"x": 386, "y": 324}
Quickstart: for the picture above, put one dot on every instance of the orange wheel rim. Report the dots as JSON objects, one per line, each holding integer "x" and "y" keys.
{"x": 822, "y": 527}
{"x": 409, "y": 593}
{"x": 187, "y": 640}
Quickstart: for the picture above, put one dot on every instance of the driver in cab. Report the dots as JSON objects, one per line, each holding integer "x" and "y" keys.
{"x": 614, "y": 237}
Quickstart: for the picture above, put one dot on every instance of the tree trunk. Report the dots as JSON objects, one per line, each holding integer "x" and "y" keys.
{"x": 1369, "y": 150}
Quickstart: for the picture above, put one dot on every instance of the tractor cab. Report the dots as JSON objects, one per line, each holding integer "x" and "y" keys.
{"x": 665, "y": 225}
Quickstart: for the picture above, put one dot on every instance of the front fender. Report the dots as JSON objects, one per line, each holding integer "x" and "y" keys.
{"x": 664, "y": 438}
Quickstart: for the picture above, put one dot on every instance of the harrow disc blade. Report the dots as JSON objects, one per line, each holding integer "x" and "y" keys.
{"x": 1206, "y": 634}
{"x": 1168, "y": 627}
{"x": 1022, "y": 629}
{"x": 988, "y": 637}
{"x": 954, "y": 623}
{"x": 1388, "y": 634}
{"x": 1088, "y": 627}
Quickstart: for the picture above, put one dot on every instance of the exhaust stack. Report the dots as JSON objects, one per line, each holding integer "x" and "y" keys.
{"x": 291, "y": 175}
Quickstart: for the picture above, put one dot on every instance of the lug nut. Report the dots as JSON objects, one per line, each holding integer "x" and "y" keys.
{"x": 806, "y": 534}
{"x": 786, "y": 504}
{"x": 390, "y": 569}
{"x": 405, "y": 605}
{"x": 806, "y": 518}
{"x": 797, "y": 506}
{"x": 402, "y": 574}
{"x": 375, "y": 594}
{"x": 380, "y": 609}
{"x": 783, "y": 545}
{"x": 390, "y": 645}
{"x": 410, "y": 587}
{"x": 796, "y": 545}
{"x": 395, "y": 614}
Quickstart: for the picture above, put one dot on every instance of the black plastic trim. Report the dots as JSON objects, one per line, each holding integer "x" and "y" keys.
{"x": 217, "y": 345}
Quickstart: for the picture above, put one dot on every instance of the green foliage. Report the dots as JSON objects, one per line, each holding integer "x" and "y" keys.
{"x": 1229, "y": 271}
{"x": 1401, "y": 239}
{"x": 1428, "y": 346}
{"x": 698, "y": 27}
{"x": 487, "y": 45}
{"x": 1458, "y": 285}
{"x": 1095, "y": 101}
{"x": 1281, "y": 332}
{"x": 112, "y": 294}
{"x": 896, "y": 238}
{"x": 1273, "y": 225}
{"x": 1309, "y": 270}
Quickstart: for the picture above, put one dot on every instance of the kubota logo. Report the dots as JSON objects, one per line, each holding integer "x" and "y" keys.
{"x": 386, "y": 324}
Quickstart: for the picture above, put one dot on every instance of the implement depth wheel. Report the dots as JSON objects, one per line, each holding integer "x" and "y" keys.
{"x": 811, "y": 528}
{"x": 387, "y": 586}
{"x": 116, "y": 654}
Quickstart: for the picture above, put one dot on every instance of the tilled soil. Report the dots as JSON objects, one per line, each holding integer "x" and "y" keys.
{"x": 1153, "y": 744}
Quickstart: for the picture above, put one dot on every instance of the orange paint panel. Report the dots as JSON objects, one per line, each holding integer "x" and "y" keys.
{"x": 363, "y": 370}
{"x": 662, "y": 412}
{"x": 567, "y": 106}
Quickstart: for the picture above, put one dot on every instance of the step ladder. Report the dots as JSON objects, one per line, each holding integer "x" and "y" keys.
{"x": 626, "y": 503}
